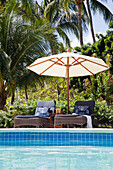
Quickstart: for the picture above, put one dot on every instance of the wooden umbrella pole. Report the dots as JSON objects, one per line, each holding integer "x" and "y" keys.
{"x": 67, "y": 85}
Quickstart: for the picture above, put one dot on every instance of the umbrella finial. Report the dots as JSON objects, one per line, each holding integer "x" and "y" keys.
{"x": 68, "y": 50}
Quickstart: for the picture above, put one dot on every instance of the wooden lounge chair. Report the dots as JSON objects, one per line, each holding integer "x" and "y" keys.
{"x": 77, "y": 120}
{"x": 43, "y": 116}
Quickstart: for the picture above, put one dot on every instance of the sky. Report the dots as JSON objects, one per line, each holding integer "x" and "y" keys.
{"x": 99, "y": 26}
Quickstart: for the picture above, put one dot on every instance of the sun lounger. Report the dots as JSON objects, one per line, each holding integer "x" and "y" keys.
{"x": 79, "y": 118}
{"x": 42, "y": 118}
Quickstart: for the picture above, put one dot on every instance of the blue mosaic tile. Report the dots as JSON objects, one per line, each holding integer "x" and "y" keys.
{"x": 60, "y": 138}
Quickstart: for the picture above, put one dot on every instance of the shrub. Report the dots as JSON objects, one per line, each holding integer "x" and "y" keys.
{"x": 6, "y": 119}
{"x": 104, "y": 112}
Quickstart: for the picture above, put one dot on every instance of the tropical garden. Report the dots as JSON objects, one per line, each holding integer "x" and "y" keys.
{"x": 29, "y": 31}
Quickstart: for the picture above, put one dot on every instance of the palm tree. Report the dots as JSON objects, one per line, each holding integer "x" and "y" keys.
{"x": 4, "y": 77}
{"x": 91, "y": 22}
{"x": 91, "y": 5}
{"x": 22, "y": 42}
{"x": 79, "y": 6}
{"x": 54, "y": 12}
{"x": 96, "y": 5}
{"x": 81, "y": 19}
{"x": 67, "y": 7}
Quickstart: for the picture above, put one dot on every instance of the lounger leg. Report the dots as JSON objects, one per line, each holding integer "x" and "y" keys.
{"x": 60, "y": 126}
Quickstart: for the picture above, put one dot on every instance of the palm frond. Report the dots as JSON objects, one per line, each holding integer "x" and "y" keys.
{"x": 106, "y": 13}
{"x": 64, "y": 36}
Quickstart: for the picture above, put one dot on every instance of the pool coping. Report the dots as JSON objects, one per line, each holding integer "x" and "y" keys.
{"x": 82, "y": 130}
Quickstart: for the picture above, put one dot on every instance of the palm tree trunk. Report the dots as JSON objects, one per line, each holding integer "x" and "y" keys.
{"x": 3, "y": 95}
{"x": 91, "y": 23}
{"x": 26, "y": 92}
{"x": 78, "y": 3}
{"x": 12, "y": 97}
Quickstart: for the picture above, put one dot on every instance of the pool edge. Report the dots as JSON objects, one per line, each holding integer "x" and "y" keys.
{"x": 86, "y": 130}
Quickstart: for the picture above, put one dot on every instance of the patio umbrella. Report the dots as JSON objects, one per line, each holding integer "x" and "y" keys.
{"x": 68, "y": 64}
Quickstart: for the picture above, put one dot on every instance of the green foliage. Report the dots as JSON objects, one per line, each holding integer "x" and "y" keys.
{"x": 111, "y": 24}
{"x": 6, "y": 119}
{"x": 100, "y": 85}
{"x": 104, "y": 112}
{"x": 23, "y": 109}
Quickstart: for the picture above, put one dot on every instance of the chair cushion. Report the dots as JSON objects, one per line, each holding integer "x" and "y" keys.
{"x": 69, "y": 115}
{"x": 50, "y": 104}
{"x": 25, "y": 116}
{"x": 90, "y": 103}
{"x": 82, "y": 110}
{"x": 42, "y": 112}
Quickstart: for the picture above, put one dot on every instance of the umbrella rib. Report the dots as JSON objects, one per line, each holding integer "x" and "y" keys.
{"x": 46, "y": 61}
{"x": 76, "y": 60}
{"x": 94, "y": 62}
{"x": 82, "y": 65}
{"x": 40, "y": 62}
{"x": 59, "y": 59}
{"x": 87, "y": 69}
{"x": 50, "y": 66}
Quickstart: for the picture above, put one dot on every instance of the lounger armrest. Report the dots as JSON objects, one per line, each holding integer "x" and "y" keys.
{"x": 52, "y": 119}
{"x": 94, "y": 115}
{"x": 95, "y": 120}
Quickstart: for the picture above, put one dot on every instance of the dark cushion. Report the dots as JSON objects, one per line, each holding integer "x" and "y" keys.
{"x": 50, "y": 104}
{"x": 25, "y": 116}
{"x": 42, "y": 112}
{"x": 69, "y": 115}
{"x": 82, "y": 110}
{"x": 90, "y": 103}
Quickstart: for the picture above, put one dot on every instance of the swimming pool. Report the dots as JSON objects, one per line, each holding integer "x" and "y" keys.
{"x": 52, "y": 149}
{"x": 56, "y": 137}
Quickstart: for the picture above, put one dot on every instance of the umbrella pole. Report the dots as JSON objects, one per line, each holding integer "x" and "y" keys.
{"x": 67, "y": 95}
{"x": 67, "y": 85}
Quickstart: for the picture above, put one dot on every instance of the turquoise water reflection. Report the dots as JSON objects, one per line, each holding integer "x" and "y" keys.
{"x": 56, "y": 158}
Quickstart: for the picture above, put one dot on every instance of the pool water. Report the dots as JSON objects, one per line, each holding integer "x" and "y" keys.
{"x": 56, "y": 149}
{"x": 56, "y": 158}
